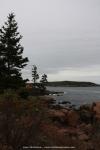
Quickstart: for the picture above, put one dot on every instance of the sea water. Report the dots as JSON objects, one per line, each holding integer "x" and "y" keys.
{"x": 76, "y": 95}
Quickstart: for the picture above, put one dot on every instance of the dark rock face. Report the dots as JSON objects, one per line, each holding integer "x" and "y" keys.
{"x": 65, "y": 102}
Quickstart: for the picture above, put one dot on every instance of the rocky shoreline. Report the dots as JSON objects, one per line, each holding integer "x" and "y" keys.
{"x": 82, "y": 124}
{"x": 37, "y": 121}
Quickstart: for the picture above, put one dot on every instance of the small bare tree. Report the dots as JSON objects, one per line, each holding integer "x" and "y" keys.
{"x": 35, "y": 75}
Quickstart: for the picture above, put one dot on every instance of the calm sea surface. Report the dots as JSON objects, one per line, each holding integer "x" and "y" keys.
{"x": 77, "y": 95}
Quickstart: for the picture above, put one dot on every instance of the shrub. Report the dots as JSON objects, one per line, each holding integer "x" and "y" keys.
{"x": 23, "y": 93}
{"x": 19, "y": 121}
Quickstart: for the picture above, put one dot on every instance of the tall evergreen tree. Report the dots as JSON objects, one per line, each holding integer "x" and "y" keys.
{"x": 11, "y": 59}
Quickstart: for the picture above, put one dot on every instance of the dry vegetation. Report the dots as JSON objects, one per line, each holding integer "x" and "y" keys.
{"x": 26, "y": 122}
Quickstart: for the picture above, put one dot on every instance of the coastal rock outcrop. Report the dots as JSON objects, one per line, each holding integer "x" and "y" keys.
{"x": 72, "y": 118}
{"x": 82, "y": 136}
{"x": 69, "y": 117}
{"x": 57, "y": 115}
{"x": 96, "y": 110}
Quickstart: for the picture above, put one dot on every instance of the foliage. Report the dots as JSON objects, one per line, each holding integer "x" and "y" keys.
{"x": 19, "y": 121}
{"x": 23, "y": 93}
{"x": 11, "y": 60}
{"x": 86, "y": 114}
{"x": 25, "y": 123}
{"x": 35, "y": 75}
{"x": 44, "y": 79}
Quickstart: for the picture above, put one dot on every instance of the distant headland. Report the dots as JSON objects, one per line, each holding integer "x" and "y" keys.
{"x": 71, "y": 84}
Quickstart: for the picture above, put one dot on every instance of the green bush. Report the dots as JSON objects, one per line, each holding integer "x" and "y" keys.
{"x": 23, "y": 93}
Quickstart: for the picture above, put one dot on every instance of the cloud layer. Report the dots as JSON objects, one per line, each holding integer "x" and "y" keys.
{"x": 58, "y": 35}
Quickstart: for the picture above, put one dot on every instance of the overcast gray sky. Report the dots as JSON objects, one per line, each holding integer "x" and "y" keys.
{"x": 62, "y": 37}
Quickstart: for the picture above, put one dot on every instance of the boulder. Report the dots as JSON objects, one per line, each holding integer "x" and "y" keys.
{"x": 65, "y": 102}
{"x": 57, "y": 115}
{"x": 86, "y": 128}
{"x": 83, "y": 137}
{"x": 96, "y": 109}
{"x": 68, "y": 117}
{"x": 65, "y": 111}
{"x": 72, "y": 118}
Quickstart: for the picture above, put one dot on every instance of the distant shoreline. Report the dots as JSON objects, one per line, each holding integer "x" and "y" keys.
{"x": 71, "y": 84}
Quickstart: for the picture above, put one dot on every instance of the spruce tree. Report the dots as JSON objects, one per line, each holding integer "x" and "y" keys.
{"x": 44, "y": 79}
{"x": 11, "y": 59}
